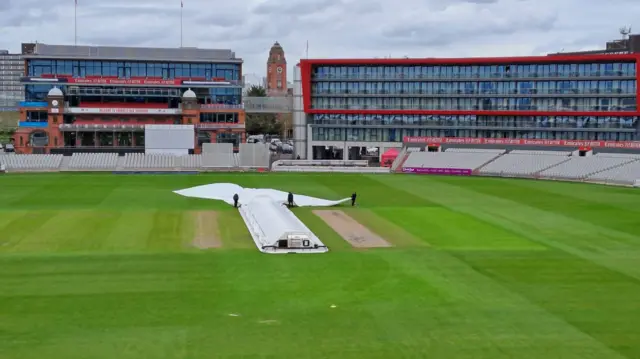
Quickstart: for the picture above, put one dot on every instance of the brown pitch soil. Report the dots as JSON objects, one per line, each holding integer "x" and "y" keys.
{"x": 206, "y": 234}
{"x": 351, "y": 230}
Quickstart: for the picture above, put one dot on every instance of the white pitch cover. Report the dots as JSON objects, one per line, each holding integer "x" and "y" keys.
{"x": 168, "y": 138}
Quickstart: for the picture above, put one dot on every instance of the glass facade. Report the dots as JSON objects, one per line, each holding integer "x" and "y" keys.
{"x": 584, "y": 87}
{"x": 478, "y": 103}
{"x": 211, "y": 117}
{"x": 542, "y": 87}
{"x": 367, "y": 134}
{"x": 391, "y": 128}
{"x": 128, "y": 69}
{"x": 620, "y": 69}
{"x": 538, "y": 122}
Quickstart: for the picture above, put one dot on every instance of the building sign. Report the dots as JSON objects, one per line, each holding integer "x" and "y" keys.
{"x": 107, "y": 81}
{"x": 520, "y": 142}
{"x": 127, "y": 111}
{"x": 137, "y": 82}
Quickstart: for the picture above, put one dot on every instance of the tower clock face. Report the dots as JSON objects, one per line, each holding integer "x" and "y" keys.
{"x": 279, "y": 70}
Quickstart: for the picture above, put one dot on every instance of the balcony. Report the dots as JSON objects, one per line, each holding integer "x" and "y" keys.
{"x": 221, "y": 106}
{"x": 67, "y": 127}
{"x": 611, "y": 92}
{"x": 122, "y": 110}
{"x": 399, "y": 107}
{"x": 532, "y": 76}
{"x": 123, "y": 91}
{"x": 219, "y": 125}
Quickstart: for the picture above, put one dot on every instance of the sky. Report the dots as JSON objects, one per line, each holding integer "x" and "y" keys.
{"x": 333, "y": 28}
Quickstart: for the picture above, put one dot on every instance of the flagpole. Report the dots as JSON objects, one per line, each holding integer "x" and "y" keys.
{"x": 181, "y": 8}
{"x": 75, "y": 23}
{"x": 307, "y": 50}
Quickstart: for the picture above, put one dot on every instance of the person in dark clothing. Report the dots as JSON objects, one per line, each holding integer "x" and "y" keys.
{"x": 290, "y": 199}
{"x": 353, "y": 199}
{"x": 235, "y": 200}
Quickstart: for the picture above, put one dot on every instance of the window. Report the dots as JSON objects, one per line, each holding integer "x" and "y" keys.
{"x": 279, "y": 84}
{"x": 215, "y": 117}
{"x": 37, "y": 116}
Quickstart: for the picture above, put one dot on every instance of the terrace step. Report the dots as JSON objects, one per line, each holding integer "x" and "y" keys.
{"x": 477, "y": 170}
{"x": 537, "y": 174}
{"x": 64, "y": 165}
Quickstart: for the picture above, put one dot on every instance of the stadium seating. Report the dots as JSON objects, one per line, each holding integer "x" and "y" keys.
{"x": 190, "y": 162}
{"x": 27, "y": 163}
{"x": 459, "y": 160}
{"x": 522, "y": 163}
{"x": 93, "y": 161}
{"x": 579, "y": 168}
{"x": 150, "y": 161}
{"x": 627, "y": 174}
{"x": 609, "y": 168}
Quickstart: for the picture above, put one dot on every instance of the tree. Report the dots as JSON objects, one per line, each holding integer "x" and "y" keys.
{"x": 262, "y": 123}
{"x": 257, "y": 91}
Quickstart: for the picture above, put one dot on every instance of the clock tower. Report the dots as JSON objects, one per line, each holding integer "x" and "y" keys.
{"x": 276, "y": 71}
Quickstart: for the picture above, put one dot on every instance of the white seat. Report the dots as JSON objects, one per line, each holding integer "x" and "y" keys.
{"x": 521, "y": 164}
{"x": 457, "y": 160}
{"x": 579, "y": 168}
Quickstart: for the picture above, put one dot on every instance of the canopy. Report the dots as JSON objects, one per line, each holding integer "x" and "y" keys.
{"x": 388, "y": 157}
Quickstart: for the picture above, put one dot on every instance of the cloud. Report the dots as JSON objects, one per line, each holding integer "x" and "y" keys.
{"x": 333, "y": 28}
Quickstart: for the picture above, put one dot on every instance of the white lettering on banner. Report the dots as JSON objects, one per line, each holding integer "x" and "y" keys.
{"x": 133, "y": 111}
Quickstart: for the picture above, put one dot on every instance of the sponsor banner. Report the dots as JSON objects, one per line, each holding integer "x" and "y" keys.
{"x": 137, "y": 82}
{"x": 520, "y": 142}
{"x": 128, "y": 111}
{"x": 124, "y": 82}
{"x": 438, "y": 171}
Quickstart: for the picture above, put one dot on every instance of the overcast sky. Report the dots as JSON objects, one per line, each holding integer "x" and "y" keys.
{"x": 334, "y": 28}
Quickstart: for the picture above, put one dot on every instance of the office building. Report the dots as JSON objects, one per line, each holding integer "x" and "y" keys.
{"x": 97, "y": 98}
{"x": 377, "y": 102}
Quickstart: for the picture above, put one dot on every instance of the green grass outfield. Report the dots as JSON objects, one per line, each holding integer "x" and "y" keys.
{"x": 100, "y": 266}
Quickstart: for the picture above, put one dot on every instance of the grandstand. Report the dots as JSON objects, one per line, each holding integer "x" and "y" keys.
{"x": 626, "y": 174}
{"x": 607, "y": 168}
{"x": 524, "y": 163}
{"x": 91, "y": 162}
{"x": 579, "y": 168}
{"x": 136, "y": 161}
{"x": 468, "y": 159}
{"x": 31, "y": 163}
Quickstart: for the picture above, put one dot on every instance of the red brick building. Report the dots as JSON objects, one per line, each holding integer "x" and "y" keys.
{"x": 98, "y": 99}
